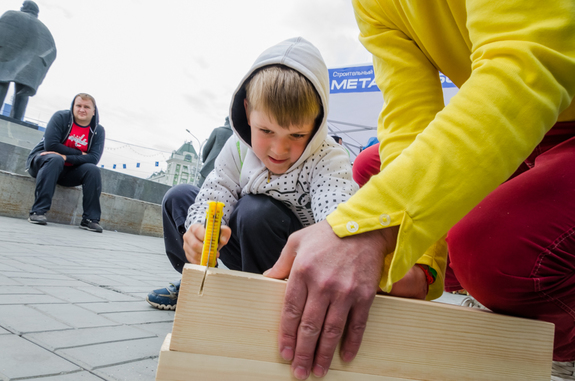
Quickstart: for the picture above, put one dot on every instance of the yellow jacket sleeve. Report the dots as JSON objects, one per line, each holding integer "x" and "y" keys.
{"x": 439, "y": 162}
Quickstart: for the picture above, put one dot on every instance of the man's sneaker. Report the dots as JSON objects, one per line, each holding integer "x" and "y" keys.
{"x": 470, "y": 301}
{"x": 563, "y": 371}
{"x": 165, "y": 298}
{"x": 90, "y": 226}
{"x": 39, "y": 219}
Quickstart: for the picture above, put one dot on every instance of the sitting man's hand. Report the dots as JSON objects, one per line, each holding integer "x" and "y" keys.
{"x": 331, "y": 286}
{"x": 53, "y": 153}
{"x": 194, "y": 241}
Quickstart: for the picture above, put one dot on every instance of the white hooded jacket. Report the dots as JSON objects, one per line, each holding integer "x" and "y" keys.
{"x": 313, "y": 186}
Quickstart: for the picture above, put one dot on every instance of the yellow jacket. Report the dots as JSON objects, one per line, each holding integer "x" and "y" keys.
{"x": 514, "y": 63}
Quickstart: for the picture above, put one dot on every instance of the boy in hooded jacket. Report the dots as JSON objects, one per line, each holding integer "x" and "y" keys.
{"x": 67, "y": 155}
{"x": 279, "y": 172}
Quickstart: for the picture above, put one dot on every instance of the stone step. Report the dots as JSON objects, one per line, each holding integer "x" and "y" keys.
{"x": 119, "y": 213}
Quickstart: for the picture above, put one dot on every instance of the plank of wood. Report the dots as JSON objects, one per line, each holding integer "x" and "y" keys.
{"x": 237, "y": 316}
{"x": 180, "y": 366}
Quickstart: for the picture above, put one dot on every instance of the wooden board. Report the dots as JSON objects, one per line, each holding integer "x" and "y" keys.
{"x": 181, "y": 366}
{"x": 237, "y": 316}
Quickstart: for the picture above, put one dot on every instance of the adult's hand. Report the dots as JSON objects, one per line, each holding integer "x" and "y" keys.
{"x": 331, "y": 286}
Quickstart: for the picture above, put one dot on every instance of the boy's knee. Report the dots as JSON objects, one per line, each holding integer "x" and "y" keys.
{"x": 258, "y": 213}
{"x": 185, "y": 193}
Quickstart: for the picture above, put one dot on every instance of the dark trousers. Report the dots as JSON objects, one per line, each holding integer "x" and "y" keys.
{"x": 50, "y": 170}
{"x": 260, "y": 227}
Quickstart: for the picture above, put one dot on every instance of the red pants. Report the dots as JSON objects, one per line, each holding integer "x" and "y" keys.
{"x": 366, "y": 164}
{"x": 515, "y": 251}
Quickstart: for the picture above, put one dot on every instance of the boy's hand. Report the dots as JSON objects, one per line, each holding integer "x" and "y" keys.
{"x": 194, "y": 241}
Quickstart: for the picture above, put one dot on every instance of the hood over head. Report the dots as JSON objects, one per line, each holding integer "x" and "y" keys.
{"x": 300, "y": 55}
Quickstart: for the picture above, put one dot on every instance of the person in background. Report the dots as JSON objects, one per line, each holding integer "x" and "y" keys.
{"x": 337, "y": 139}
{"x": 213, "y": 146}
{"x": 493, "y": 171}
{"x": 278, "y": 173}
{"x": 67, "y": 155}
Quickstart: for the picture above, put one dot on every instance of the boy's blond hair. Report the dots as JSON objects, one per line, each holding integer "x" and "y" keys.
{"x": 284, "y": 94}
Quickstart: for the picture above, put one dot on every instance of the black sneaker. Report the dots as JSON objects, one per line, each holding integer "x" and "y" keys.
{"x": 165, "y": 298}
{"x": 90, "y": 226}
{"x": 39, "y": 219}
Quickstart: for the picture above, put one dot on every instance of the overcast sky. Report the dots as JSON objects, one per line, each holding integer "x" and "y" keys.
{"x": 157, "y": 68}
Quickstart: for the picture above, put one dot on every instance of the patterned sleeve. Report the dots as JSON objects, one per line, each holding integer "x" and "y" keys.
{"x": 331, "y": 181}
{"x": 222, "y": 184}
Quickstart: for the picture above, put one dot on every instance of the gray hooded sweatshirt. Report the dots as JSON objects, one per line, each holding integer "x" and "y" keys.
{"x": 313, "y": 186}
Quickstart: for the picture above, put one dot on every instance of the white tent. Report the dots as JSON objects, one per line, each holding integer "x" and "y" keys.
{"x": 355, "y": 103}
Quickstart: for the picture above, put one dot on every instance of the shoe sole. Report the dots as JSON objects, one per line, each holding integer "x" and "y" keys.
{"x": 90, "y": 230}
{"x": 161, "y": 306}
{"x": 37, "y": 222}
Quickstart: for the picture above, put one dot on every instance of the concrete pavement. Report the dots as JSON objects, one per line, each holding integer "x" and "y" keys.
{"x": 72, "y": 303}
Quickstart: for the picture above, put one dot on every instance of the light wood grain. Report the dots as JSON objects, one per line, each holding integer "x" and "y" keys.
{"x": 237, "y": 316}
{"x": 181, "y": 366}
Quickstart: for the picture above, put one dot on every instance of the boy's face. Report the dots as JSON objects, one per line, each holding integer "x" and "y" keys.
{"x": 277, "y": 147}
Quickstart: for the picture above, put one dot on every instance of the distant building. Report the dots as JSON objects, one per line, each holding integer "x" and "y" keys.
{"x": 183, "y": 167}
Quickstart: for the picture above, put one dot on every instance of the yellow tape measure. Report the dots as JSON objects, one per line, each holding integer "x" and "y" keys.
{"x": 213, "y": 223}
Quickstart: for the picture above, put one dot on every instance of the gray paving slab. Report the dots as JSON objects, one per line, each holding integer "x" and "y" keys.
{"x": 99, "y": 279}
{"x": 23, "y": 319}
{"x": 107, "y": 293}
{"x": 36, "y": 275}
{"x": 107, "y": 307}
{"x": 6, "y": 281}
{"x": 22, "y": 359}
{"x": 4, "y": 267}
{"x": 49, "y": 282}
{"x": 74, "y": 316}
{"x": 71, "y": 294}
{"x": 139, "y": 289}
{"x": 76, "y": 271}
{"x": 31, "y": 267}
{"x": 159, "y": 329}
{"x": 139, "y": 317}
{"x": 20, "y": 289}
{"x": 142, "y": 295}
{"x": 28, "y": 299}
{"x": 76, "y": 376}
{"x": 122, "y": 280}
{"x": 144, "y": 370}
{"x": 108, "y": 354}
{"x": 88, "y": 336}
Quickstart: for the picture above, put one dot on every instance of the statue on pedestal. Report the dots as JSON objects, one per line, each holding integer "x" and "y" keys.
{"x": 27, "y": 50}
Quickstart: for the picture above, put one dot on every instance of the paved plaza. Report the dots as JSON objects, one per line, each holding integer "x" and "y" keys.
{"x": 72, "y": 303}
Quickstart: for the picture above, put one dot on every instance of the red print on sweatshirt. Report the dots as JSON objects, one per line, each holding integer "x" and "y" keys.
{"x": 78, "y": 137}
